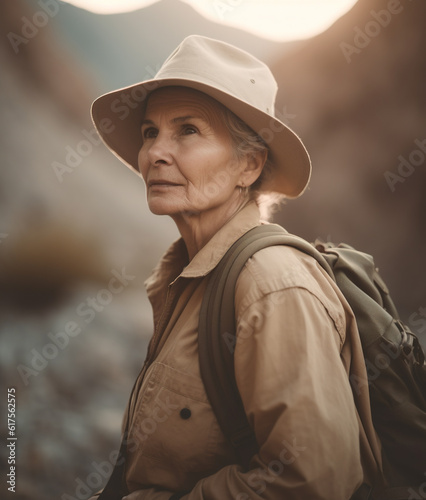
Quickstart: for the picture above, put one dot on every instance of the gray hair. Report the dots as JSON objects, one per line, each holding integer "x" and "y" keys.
{"x": 247, "y": 142}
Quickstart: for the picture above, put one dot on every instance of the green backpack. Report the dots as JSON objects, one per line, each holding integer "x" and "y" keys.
{"x": 394, "y": 358}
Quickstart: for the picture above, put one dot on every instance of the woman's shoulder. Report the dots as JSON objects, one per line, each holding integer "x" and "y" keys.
{"x": 281, "y": 267}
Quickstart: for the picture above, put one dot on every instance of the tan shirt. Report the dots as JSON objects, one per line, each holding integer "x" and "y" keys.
{"x": 296, "y": 347}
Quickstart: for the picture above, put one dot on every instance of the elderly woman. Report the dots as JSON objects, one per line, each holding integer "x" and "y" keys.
{"x": 203, "y": 136}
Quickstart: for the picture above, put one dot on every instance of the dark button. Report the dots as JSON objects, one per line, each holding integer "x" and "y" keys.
{"x": 185, "y": 413}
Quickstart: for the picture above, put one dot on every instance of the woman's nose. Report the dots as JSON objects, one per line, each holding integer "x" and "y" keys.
{"x": 160, "y": 150}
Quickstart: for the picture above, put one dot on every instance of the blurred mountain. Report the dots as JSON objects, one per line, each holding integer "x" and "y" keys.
{"x": 356, "y": 94}
{"x": 125, "y": 48}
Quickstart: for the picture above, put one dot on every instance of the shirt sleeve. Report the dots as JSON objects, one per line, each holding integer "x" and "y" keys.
{"x": 299, "y": 402}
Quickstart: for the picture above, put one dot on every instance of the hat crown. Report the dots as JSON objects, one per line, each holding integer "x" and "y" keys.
{"x": 224, "y": 67}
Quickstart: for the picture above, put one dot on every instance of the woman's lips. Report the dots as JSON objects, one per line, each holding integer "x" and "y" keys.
{"x": 162, "y": 183}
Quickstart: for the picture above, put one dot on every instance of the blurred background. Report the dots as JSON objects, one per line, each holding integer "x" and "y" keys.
{"x": 352, "y": 78}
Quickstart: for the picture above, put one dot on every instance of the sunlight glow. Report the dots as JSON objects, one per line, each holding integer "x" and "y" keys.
{"x": 279, "y": 20}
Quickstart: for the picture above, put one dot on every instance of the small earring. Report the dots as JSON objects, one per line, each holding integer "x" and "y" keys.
{"x": 243, "y": 189}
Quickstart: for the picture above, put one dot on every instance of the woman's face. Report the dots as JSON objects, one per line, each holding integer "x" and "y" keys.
{"x": 187, "y": 159}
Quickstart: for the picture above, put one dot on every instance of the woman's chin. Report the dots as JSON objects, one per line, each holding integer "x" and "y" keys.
{"x": 161, "y": 207}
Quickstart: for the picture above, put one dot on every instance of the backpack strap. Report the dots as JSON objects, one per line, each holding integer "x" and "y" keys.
{"x": 116, "y": 486}
{"x": 217, "y": 326}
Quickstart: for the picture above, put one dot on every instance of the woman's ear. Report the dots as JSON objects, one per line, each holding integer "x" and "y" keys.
{"x": 254, "y": 163}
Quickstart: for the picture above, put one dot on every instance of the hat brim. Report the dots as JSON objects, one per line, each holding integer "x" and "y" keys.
{"x": 117, "y": 117}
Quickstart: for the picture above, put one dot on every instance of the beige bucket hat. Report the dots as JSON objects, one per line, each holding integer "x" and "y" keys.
{"x": 230, "y": 75}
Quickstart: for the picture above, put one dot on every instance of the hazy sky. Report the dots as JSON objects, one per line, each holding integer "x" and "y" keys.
{"x": 280, "y": 20}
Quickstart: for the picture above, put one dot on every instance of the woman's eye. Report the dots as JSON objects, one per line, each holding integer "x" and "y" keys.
{"x": 189, "y": 129}
{"x": 149, "y": 133}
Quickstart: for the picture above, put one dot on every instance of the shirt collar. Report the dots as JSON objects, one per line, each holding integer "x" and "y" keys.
{"x": 211, "y": 254}
{"x": 174, "y": 264}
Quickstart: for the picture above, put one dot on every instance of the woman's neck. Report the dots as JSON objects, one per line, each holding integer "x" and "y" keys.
{"x": 198, "y": 228}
